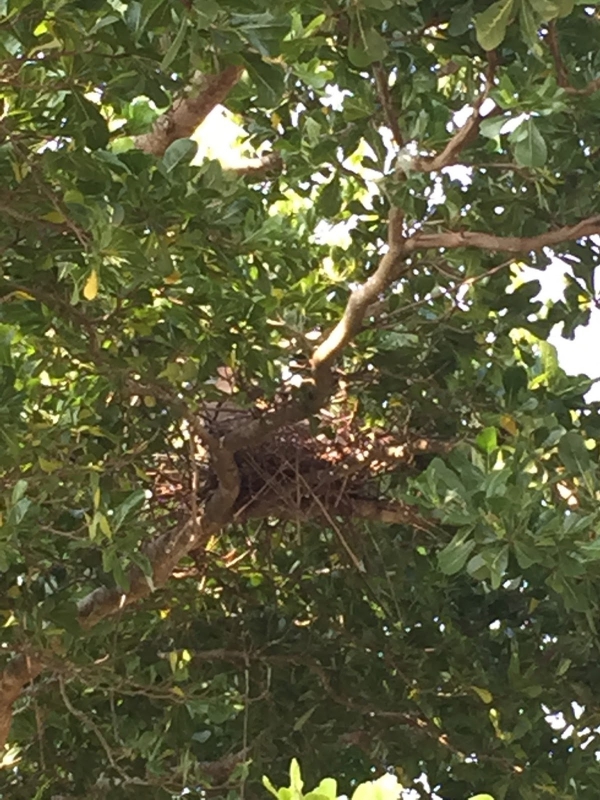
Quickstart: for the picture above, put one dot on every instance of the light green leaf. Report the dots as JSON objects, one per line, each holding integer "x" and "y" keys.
{"x": 491, "y": 24}
{"x": 484, "y": 694}
{"x": 488, "y": 440}
{"x": 296, "y": 782}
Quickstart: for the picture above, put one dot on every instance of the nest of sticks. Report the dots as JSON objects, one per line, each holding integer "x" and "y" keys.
{"x": 323, "y": 467}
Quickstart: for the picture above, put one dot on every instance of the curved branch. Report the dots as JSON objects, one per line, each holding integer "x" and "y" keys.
{"x": 186, "y": 113}
{"x": 507, "y": 244}
{"x": 351, "y": 322}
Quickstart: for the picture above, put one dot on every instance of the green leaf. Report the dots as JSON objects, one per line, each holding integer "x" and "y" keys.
{"x": 529, "y": 27}
{"x": 175, "y": 46}
{"x": 490, "y": 127}
{"x": 268, "y": 80}
{"x": 461, "y": 19}
{"x": 178, "y": 151}
{"x": 454, "y": 556}
{"x": 296, "y": 782}
{"x": 366, "y": 47}
{"x": 301, "y": 721}
{"x": 330, "y": 199}
{"x": 573, "y": 452}
{"x": 491, "y": 24}
{"x": 134, "y": 500}
{"x": 487, "y": 440}
{"x": 19, "y": 490}
{"x": 514, "y": 380}
{"x": 531, "y": 151}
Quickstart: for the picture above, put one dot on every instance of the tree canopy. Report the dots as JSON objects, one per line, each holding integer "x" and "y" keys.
{"x": 288, "y": 467}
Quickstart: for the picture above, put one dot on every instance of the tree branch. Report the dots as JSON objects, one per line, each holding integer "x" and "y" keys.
{"x": 585, "y": 91}
{"x": 507, "y": 244}
{"x": 360, "y": 299}
{"x": 465, "y": 135}
{"x": 186, "y": 113}
{"x": 385, "y": 98}
{"x": 561, "y": 71}
{"x": 15, "y": 676}
{"x": 562, "y": 75}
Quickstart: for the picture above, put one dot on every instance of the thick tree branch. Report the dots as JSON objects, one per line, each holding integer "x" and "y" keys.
{"x": 186, "y": 113}
{"x": 506, "y": 244}
{"x": 350, "y": 324}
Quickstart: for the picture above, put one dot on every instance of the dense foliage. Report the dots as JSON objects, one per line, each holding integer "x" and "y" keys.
{"x": 408, "y": 580}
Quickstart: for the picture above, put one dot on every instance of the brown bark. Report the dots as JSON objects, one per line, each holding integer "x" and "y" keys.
{"x": 16, "y": 675}
{"x": 506, "y": 244}
{"x": 186, "y": 113}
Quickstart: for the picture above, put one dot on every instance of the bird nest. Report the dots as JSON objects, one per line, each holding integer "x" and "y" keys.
{"x": 322, "y": 466}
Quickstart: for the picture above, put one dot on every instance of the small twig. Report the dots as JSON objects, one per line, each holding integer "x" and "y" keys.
{"x": 93, "y": 727}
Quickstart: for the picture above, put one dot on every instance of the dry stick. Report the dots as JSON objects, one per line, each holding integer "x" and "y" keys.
{"x": 20, "y": 671}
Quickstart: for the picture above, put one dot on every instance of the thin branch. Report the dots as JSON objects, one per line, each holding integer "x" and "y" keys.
{"x": 465, "y": 135}
{"x": 561, "y": 71}
{"x": 507, "y": 244}
{"x": 260, "y": 167}
{"x": 385, "y": 98}
{"x": 585, "y": 91}
{"x": 186, "y": 113}
{"x": 92, "y": 725}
